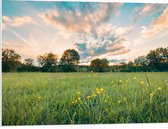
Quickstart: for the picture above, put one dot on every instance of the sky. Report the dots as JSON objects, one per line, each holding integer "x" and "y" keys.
{"x": 119, "y": 32}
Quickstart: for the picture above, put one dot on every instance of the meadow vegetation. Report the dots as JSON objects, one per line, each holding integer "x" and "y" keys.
{"x": 84, "y": 98}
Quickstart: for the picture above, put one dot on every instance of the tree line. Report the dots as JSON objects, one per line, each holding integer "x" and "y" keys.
{"x": 155, "y": 60}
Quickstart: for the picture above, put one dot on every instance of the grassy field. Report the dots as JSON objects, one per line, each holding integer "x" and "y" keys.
{"x": 83, "y": 98}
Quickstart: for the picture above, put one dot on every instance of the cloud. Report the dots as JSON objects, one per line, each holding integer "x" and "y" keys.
{"x": 79, "y": 21}
{"x": 147, "y": 10}
{"x": 16, "y": 21}
{"x": 97, "y": 37}
{"x": 110, "y": 45}
{"x": 117, "y": 60}
{"x": 158, "y": 25}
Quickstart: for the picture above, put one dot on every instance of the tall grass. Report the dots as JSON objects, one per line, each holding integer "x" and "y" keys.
{"x": 84, "y": 98}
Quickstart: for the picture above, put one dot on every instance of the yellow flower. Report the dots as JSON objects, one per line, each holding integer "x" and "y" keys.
{"x": 94, "y": 95}
{"x": 97, "y": 89}
{"x": 119, "y": 101}
{"x": 39, "y": 97}
{"x": 79, "y": 98}
{"x": 159, "y": 88}
{"x": 88, "y": 97}
{"x": 141, "y": 82}
{"x": 134, "y": 78}
{"x": 120, "y": 81}
{"x": 112, "y": 82}
{"x": 101, "y": 89}
{"x": 125, "y": 99}
{"x": 151, "y": 94}
{"x": 98, "y": 92}
{"x": 78, "y": 93}
{"x": 126, "y": 81}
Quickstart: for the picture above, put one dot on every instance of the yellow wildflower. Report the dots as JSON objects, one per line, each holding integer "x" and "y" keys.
{"x": 78, "y": 93}
{"x": 94, "y": 95}
{"x": 125, "y": 99}
{"x": 112, "y": 82}
{"x": 141, "y": 82}
{"x": 151, "y": 94}
{"x": 134, "y": 78}
{"x": 79, "y": 98}
{"x": 39, "y": 97}
{"x": 120, "y": 81}
{"x": 159, "y": 88}
{"x": 101, "y": 89}
{"x": 98, "y": 92}
{"x": 119, "y": 101}
{"x": 97, "y": 89}
{"x": 88, "y": 97}
{"x": 126, "y": 81}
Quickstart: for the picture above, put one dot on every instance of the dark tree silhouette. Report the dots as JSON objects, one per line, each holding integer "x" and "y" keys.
{"x": 99, "y": 65}
{"x": 158, "y": 59}
{"x": 48, "y": 62}
{"x": 10, "y": 60}
{"x": 69, "y": 60}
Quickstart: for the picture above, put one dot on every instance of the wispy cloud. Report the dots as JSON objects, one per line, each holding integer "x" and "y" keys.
{"x": 117, "y": 60}
{"x": 147, "y": 10}
{"x": 16, "y": 21}
{"x": 22, "y": 49}
{"x": 158, "y": 25}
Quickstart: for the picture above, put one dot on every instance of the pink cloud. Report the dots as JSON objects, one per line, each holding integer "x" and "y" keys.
{"x": 158, "y": 25}
{"x": 75, "y": 21}
{"x": 147, "y": 10}
{"x": 16, "y": 21}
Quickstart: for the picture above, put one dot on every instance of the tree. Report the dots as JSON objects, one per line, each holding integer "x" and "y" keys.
{"x": 69, "y": 60}
{"x": 10, "y": 60}
{"x": 141, "y": 63}
{"x": 99, "y": 65}
{"x": 48, "y": 62}
{"x": 27, "y": 66}
{"x": 28, "y": 62}
{"x": 131, "y": 66}
{"x": 158, "y": 59}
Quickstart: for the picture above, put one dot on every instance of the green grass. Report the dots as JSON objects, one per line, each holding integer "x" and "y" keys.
{"x": 53, "y": 98}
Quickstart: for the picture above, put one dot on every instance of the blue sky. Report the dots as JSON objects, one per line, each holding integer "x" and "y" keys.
{"x": 115, "y": 31}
